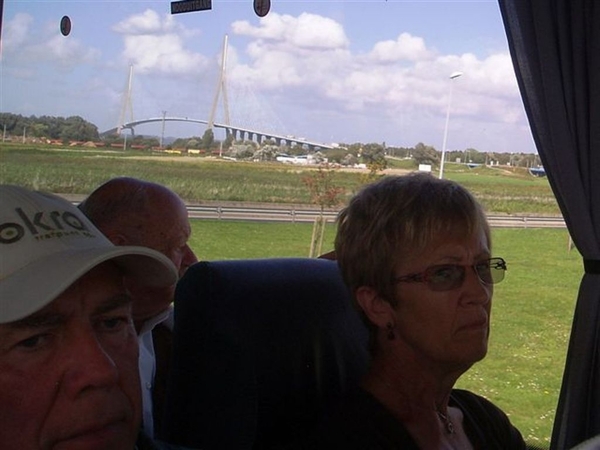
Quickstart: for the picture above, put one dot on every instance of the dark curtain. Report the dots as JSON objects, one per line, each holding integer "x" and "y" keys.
{"x": 555, "y": 48}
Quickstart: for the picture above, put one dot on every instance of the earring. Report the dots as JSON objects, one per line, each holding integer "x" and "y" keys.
{"x": 390, "y": 331}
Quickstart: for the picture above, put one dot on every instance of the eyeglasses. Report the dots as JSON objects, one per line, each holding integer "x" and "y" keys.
{"x": 445, "y": 277}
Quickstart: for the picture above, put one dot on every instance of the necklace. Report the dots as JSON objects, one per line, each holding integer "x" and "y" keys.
{"x": 443, "y": 417}
{"x": 447, "y": 422}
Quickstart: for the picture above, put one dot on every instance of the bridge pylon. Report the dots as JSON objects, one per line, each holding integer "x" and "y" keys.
{"x": 221, "y": 87}
{"x": 126, "y": 103}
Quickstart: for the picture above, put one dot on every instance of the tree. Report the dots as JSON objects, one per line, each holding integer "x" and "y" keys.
{"x": 469, "y": 154}
{"x": 295, "y": 150}
{"x": 243, "y": 150}
{"x": 208, "y": 139}
{"x": 228, "y": 140}
{"x": 38, "y": 130}
{"x": 77, "y": 129}
{"x": 147, "y": 142}
{"x": 375, "y": 166}
{"x": 336, "y": 155}
{"x": 349, "y": 160}
{"x": 73, "y": 128}
{"x": 325, "y": 193}
{"x": 398, "y": 152}
{"x": 373, "y": 155}
{"x": 266, "y": 153}
{"x": 425, "y": 154}
{"x": 192, "y": 143}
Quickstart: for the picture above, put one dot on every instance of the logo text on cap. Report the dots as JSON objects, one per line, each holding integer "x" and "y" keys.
{"x": 40, "y": 224}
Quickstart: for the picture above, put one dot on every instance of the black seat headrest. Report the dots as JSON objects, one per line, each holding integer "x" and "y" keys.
{"x": 260, "y": 348}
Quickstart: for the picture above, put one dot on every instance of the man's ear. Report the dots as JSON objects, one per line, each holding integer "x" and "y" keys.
{"x": 379, "y": 311}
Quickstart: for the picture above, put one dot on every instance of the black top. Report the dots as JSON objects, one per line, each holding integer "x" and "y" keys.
{"x": 362, "y": 423}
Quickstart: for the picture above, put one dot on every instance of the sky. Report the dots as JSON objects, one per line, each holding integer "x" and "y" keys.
{"x": 329, "y": 71}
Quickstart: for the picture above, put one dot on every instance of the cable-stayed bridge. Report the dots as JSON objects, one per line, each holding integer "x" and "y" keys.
{"x": 237, "y": 132}
{"x": 230, "y": 130}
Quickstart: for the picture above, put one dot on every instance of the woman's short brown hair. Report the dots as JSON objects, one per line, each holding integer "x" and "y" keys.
{"x": 396, "y": 215}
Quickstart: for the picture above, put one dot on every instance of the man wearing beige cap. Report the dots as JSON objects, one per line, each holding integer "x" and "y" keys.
{"x": 68, "y": 349}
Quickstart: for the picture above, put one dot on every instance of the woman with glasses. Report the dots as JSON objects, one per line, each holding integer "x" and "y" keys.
{"x": 416, "y": 253}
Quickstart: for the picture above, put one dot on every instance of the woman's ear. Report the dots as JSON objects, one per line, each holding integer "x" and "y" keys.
{"x": 378, "y": 311}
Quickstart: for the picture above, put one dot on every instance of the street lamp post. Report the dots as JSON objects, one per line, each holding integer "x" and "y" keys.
{"x": 453, "y": 76}
{"x": 162, "y": 133}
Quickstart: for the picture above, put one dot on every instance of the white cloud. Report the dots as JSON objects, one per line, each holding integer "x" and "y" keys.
{"x": 307, "y": 31}
{"x": 286, "y": 51}
{"x": 155, "y": 45}
{"x": 487, "y": 88}
{"x": 161, "y": 54}
{"x": 15, "y": 32}
{"x": 25, "y": 43}
{"x": 396, "y": 75}
{"x": 67, "y": 52}
{"x": 406, "y": 47}
{"x": 148, "y": 22}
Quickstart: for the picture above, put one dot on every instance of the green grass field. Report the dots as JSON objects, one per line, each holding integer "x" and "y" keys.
{"x": 197, "y": 180}
{"x": 531, "y": 317}
{"x": 533, "y": 307}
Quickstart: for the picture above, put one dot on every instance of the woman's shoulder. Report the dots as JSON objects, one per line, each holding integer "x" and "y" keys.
{"x": 486, "y": 421}
{"x": 462, "y": 397}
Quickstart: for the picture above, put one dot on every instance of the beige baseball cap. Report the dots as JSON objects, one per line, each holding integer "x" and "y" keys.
{"x": 46, "y": 244}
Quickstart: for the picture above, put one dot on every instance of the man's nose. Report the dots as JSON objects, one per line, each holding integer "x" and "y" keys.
{"x": 88, "y": 365}
{"x": 189, "y": 258}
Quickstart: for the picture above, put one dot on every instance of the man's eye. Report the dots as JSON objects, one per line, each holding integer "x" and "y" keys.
{"x": 33, "y": 342}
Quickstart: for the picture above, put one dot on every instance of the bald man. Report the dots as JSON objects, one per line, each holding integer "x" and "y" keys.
{"x": 129, "y": 211}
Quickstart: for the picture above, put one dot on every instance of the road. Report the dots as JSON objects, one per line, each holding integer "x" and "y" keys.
{"x": 307, "y": 214}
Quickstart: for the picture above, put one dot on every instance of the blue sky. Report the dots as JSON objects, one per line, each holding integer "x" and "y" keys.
{"x": 330, "y": 71}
